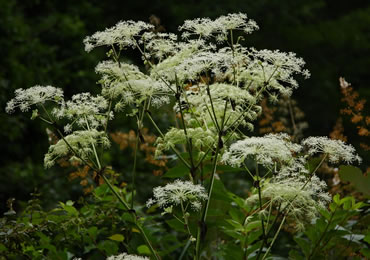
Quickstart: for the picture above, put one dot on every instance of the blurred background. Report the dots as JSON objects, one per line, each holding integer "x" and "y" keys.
{"x": 41, "y": 43}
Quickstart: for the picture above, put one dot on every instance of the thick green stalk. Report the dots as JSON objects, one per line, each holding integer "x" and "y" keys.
{"x": 205, "y": 208}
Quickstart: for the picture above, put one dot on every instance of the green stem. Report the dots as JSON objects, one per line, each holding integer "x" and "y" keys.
{"x": 172, "y": 147}
{"x": 274, "y": 239}
{"x": 322, "y": 235}
{"x": 188, "y": 140}
{"x": 138, "y": 132}
{"x": 138, "y": 225}
{"x": 205, "y": 208}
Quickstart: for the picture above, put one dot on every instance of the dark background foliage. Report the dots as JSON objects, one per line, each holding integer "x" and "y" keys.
{"x": 41, "y": 43}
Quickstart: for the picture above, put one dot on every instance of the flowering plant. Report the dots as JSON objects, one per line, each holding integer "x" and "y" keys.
{"x": 215, "y": 86}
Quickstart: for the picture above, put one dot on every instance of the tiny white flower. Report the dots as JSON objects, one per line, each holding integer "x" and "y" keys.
{"x": 265, "y": 150}
{"x": 125, "y": 256}
{"x": 122, "y": 33}
{"x": 81, "y": 143}
{"x": 173, "y": 194}
{"x": 336, "y": 150}
{"x": 25, "y": 98}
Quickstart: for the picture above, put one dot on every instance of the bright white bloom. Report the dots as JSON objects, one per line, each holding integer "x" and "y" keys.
{"x": 300, "y": 199}
{"x": 122, "y": 34}
{"x": 336, "y": 150}
{"x": 173, "y": 67}
{"x": 125, "y": 256}
{"x": 200, "y": 137}
{"x": 203, "y": 27}
{"x": 25, "y": 98}
{"x": 129, "y": 85}
{"x": 220, "y": 28}
{"x": 160, "y": 45}
{"x": 84, "y": 110}
{"x": 265, "y": 150}
{"x": 236, "y": 22}
{"x": 240, "y": 105}
{"x": 81, "y": 142}
{"x": 270, "y": 69}
{"x": 177, "y": 193}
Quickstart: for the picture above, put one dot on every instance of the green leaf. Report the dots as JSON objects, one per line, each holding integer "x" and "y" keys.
{"x": 69, "y": 208}
{"x": 336, "y": 199}
{"x": 93, "y": 231}
{"x": 176, "y": 225}
{"x": 117, "y": 237}
{"x": 109, "y": 247}
{"x": 2, "y": 248}
{"x": 176, "y": 172}
{"x": 294, "y": 254}
{"x": 236, "y": 215}
{"x": 365, "y": 252}
{"x": 367, "y": 238}
{"x": 252, "y": 225}
{"x": 356, "y": 178}
{"x": 143, "y": 250}
{"x": 304, "y": 244}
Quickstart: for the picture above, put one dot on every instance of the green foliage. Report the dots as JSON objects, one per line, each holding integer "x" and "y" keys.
{"x": 92, "y": 228}
{"x": 338, "y": 233}
{"x": 356, "y": 178}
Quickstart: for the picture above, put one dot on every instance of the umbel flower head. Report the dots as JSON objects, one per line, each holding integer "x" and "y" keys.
{"x": 299, "y": 198}
{"x": 265, "y": 150}
{"x": 128, "y": 85}
{"x": 201, "y": 138}
{"x": 80, "y": 141}
{"x": 84, "y": 110}
{"x": 336, "y": 150}
{"x": 122, "y": 34}
{"x": 25, "y": 98}
{"x": 219, "y": 28}
{"x": 179, "y": 192}
{"x": 125, "y": 256}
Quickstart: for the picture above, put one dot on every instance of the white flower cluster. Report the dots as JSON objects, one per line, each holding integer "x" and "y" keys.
{"x": 336, "y": 150}
{"x": 272, "y": 70}
{"x": 25, "y": 98}
{"x": 125, "y": 256}
{"x": 299, "y": 198}
{"x": 122, "y": 34}
{"x": 160, "y": 45}
{"x": 180, "y": 65}
{"x": 200, "y": 137}
{"x": 240, "y": 106}
{"x": 179, "y": 192}
{"x": 265, "y": 150}
{"x": 219, "y": 28}
{"x": 85, "y": 111}
{"x": 80, "y": 141}
{"x": 129, "y": 85}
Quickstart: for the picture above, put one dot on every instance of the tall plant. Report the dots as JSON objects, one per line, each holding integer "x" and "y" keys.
{"x": 215, "y": 86}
